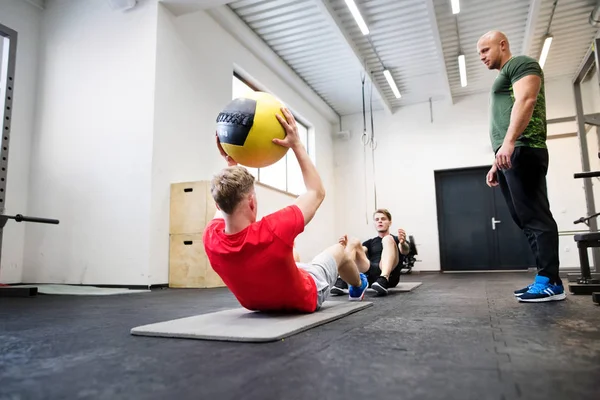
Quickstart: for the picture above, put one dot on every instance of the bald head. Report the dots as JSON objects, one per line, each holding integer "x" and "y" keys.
{"x": 493, "y": 49}
{"x": 495, "y": 37}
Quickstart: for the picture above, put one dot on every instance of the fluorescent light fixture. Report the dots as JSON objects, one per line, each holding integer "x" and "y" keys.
{"x": 359, "y": 19}
{"x": 545, "y": 50}
{"x": 463, "y": 70}
{"x": 455, "y": 6}
{"x": 391, "y": 82}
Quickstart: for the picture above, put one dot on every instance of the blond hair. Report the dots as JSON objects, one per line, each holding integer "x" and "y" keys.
{"x": 384, "y": 212}
{"x": 230, "y": 186}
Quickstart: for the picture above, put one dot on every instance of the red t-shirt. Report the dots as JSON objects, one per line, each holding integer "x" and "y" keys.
{"x": 257, "y": 264}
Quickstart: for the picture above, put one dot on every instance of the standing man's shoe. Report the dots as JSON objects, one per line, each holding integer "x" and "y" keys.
{"x": 542, "y": 290}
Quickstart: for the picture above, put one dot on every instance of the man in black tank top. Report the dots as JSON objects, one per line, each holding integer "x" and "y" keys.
{"x": 380, "y": 258}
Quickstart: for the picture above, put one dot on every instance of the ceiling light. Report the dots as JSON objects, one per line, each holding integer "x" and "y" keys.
{"x": 455, "y": 7}
{"x": 545, "y": 50}
{"x": 391, "y": 82}
{"x": 359, "y": 19}
{"x": 463, "y": 70}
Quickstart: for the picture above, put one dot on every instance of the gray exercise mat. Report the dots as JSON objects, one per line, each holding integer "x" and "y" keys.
{"x": 401, "y": 287}
{"x": 74, "y": 290}
{"x": 242, "y": 325}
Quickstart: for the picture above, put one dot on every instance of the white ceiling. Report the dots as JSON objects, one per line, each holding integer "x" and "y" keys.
{"x": 38, "y": 3}
{"x": 476, "y": 18}
{"x": 417, "y": 40}
{"x": 572, "y": 35}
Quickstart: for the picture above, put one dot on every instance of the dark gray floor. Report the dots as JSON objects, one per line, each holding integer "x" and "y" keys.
{"x": 456, "y": 337}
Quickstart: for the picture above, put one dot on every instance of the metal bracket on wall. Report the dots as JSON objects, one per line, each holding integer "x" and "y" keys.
{"x": 593, "y": 119}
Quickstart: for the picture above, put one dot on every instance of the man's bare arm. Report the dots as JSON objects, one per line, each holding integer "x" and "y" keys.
{"x": 230, "y": 162}
{"x": 310, "y": 201}
{"x": 526, "y": 91}
{"x": 402, "y": 244}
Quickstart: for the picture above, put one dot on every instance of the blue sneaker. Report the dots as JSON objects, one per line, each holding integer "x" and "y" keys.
{"x": 543, "y": 290}
{"x": 519, "y": 292}
{"x": 357, "y": 293}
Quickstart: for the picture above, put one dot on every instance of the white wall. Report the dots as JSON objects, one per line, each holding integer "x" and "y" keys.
{"x": 590, "y": 91}
{"x": 194, "y": 70}
{"x": 92, "y": 150}
{"x": 410, "y": 148}
{"x": 25, "y": 19}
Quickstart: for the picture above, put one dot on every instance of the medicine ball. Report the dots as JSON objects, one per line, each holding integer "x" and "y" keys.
{"x": 246, "y": 128}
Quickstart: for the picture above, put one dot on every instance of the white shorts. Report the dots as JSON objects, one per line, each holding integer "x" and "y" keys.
{"x": 324, "y": 272}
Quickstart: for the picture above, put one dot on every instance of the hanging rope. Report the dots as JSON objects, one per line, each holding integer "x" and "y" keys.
{"x": 373, "y": 147}
{"x": 365, "y": 141}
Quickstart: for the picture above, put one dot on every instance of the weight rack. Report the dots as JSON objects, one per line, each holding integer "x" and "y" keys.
{"x": 6, "y": 112}
{"x": 587, "y": 283}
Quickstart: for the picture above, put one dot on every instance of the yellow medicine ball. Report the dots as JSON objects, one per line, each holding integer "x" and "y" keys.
{"x": 246, "y": 128}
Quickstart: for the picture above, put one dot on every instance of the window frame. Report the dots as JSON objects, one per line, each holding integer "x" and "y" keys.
{"x": 299, "y": 120}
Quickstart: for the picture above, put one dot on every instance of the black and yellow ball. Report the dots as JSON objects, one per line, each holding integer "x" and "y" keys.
{"x": 246, "y": 128}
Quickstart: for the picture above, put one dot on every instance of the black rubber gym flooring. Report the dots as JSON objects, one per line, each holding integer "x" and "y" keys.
{"x": 456, "y": 337}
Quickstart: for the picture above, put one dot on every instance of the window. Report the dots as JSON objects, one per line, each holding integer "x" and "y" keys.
{"x": 285, "y": 174}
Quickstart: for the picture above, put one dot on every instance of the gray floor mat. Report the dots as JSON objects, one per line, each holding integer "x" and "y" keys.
{"x": 401, "y": 287}
{"x": 241, "y": 325}
{"x": 75, "y": 290}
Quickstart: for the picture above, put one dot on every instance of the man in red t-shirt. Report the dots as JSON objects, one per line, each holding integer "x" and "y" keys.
{"x": 256, "y": 259}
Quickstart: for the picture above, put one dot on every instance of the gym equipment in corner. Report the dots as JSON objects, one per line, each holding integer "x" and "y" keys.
{"x": 587, "y": 283}
{"x": 16, "y": 291}
{"x": 411, "y": 257}
{"x": 9, "y": 65}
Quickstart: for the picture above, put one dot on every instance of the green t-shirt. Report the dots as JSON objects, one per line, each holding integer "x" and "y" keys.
{"x": 502, "y": 100}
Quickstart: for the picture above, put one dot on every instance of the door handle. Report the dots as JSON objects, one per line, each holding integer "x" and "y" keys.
{"x": 494, "y": 222}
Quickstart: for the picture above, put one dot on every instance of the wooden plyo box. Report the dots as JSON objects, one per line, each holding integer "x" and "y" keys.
{"x": 188, "y": 264}
{"x": 191, "y": 208}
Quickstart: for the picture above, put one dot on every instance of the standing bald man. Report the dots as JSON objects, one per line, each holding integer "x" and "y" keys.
{"x": 518, "y": 136}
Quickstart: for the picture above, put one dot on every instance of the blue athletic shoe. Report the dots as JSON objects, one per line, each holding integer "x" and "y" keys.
{"x": 519, "y": 292}
{"x": 543, "y": 290}
{"x": 357, "y": 293}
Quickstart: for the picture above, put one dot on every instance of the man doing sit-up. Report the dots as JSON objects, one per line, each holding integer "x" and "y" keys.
{"x": 255, "y": 259}
{"x": 381, "y": 256}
